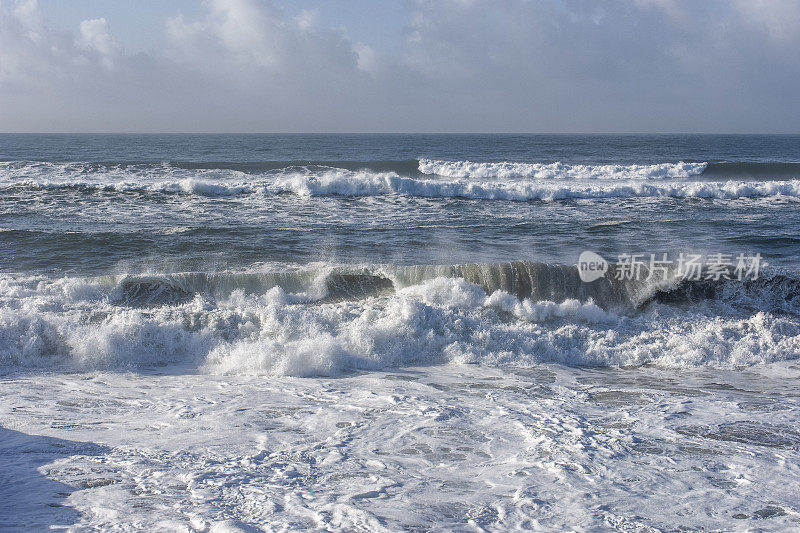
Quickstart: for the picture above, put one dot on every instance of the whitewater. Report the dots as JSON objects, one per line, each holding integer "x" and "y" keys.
{"x": 435, "y": 179}
{"x": 383, "y": 333}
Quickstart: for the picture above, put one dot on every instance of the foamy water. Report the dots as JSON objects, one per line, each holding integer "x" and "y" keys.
{"x": 437, "y": 179}
{"x": 330, "y": 320}
{"x": 229, "y": 333}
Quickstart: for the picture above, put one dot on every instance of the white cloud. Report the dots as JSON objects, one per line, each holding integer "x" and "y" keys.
{"x": 95, "y": 37}
{"x": 240, "y": 30}
{"x": 577, "y": 65}
{"x": 479, "y": 65}
{"x": 367, "y": 57}
{"x": 779, "y": 19}
{"x": 307, "y": 19}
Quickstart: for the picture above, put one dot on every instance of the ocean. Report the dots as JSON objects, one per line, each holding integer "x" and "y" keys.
{"x": 397, "y": 332}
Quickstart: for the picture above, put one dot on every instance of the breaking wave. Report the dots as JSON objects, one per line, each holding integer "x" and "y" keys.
{"x": 357, "y": 184}
{"x": 431, "y": 179}
{"x": 558, "y": 170}
{"x": 326, "y": 319}
{"x": 363, "y": 184}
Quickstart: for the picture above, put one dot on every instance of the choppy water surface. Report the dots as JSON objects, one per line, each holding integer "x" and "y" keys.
{"x": 219, "y": 246}
{"x": 395, "y": 320}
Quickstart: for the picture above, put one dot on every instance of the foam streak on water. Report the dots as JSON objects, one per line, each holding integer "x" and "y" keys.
{"x": 459, "y": 447}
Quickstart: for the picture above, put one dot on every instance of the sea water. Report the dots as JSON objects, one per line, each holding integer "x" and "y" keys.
{"x": 386, "y": 332}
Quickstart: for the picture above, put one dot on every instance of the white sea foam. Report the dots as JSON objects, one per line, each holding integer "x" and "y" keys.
{"x": 348, "y": 183}
{"x": 204, "y": 187}
{"x": 558, "y": 170}
{"x": 125, "y": 178}
{"x": 459, "y": 179}
{"x": 72, "y": 323}
{"x": 446, "y": 447}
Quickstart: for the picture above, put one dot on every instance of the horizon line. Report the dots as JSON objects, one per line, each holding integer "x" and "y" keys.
{"x": 383, "y": 133}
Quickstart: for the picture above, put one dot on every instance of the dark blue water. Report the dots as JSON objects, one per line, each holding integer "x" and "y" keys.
{"x": 94, "y": 204}
{"x": 597, "y": 149}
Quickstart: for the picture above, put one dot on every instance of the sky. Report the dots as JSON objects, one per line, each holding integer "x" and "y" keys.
{"x": 550, "y": 66}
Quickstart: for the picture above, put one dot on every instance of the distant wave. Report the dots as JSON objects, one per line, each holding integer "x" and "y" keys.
{"x": 17, "y": 170}
{"x": 433, "y": 179}
{"x": 369, "y": 184}
{"x": 558, "y": 170}
{"x": 347, "y": 183}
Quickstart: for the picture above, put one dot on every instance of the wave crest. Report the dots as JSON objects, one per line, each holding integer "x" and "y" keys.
{"x": 558, "y": 170}
{"x": 436, "y": 179}
{"x": 328, "y": 320}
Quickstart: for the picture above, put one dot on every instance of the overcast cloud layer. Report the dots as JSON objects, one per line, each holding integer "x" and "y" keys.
{"x": 464, "y": 65}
